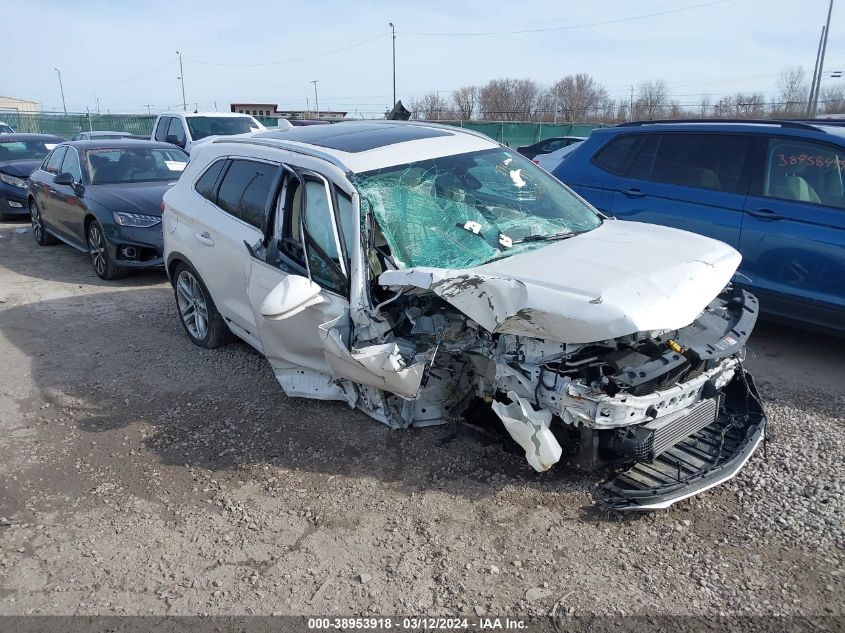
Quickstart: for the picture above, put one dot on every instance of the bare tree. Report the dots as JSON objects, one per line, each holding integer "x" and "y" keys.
{"x": 579, "y": 97}
{"x": 832, "y": 100}
{"x": 510, "y": 99}
{"x": 466, "y": 101}
{"x": 704, "y": 106}
{"x": 431, "y": 106}
{"x": 793, "y": 91}
{"x": 652, "y": 99}
{"x": 749, "y": 105}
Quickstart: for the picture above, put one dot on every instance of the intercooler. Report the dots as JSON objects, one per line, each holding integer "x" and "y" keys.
{"x": 647, "y": 441}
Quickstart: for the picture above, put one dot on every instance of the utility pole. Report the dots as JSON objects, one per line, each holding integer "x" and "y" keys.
{"x": 815, "y": 103}
{"x": 149, "y": 106}
{"x": 815, "y": 74}
{"x": 97, "y": 99}
{"x": 62, "y": 88}
{"x": 316, "y": 101}
{"x": 182, "y": 79}
{"x": 393, "y": 31}
{"x": 631, "y": 111}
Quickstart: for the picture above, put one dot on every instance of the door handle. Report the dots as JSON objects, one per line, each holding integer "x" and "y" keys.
{"x": 765, "y": 214}
{"x": 633, "y": 192}
{"x": 204, "y": 238}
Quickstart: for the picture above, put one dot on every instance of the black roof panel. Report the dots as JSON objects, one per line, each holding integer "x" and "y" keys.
{"x": 356, "y": 136}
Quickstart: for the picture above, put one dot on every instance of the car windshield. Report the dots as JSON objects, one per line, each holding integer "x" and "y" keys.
{"x": 465, "y": 210}
{"x": 134, "y": 164}
{"x": 202, "y": 126}
{"x": 24, "y": 150}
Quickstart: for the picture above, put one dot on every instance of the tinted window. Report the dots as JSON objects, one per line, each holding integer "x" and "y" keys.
{"x": 161, "y": 128}
{"x": 202, "y": 126}
{"x": 71, "y": 165}
{"x": 135, "y": 164}
{"x": 617, "y": 154}
{"x": 25, "y": 150}
{"x": 245, "y": 190}
{"x": 176, "y": 129}
{"x": 706, "y": 161}
{"x": 804, "y": 172}
{"x": 205, "y": 185}
{"x": 55, "y": 160}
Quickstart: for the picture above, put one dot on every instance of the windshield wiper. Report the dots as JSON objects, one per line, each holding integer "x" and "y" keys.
{"x": 545, "y": 238}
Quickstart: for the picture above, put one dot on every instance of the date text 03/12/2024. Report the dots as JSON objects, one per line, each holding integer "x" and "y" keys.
{"x": 416, "y": 624}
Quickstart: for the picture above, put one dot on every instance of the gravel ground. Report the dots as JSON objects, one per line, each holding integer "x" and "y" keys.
{"x": 143, "y": 475}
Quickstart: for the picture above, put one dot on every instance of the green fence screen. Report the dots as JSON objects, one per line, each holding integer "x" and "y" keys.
{"x": 69, "y": 125}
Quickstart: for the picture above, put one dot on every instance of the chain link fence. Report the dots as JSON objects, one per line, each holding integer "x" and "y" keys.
{"x": 511, "y": 133}
{"x": 69, "y": 125}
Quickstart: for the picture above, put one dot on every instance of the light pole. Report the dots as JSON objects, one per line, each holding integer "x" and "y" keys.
{"x": 316, "y": 101}
{"x": 62, "y": 88}
{"x": 393, "y": 31}
{"x": 182, "y": 79}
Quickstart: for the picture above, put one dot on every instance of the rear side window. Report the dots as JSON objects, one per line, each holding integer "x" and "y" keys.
{"x": 161, "y": 128}
{"x": 616, "y": 155}
{"x": 206, "y": 182}
{"x": 245, "y": 190}
{"x": 54, "y": 162}
{"x": 704, "y": 161}
{"x": 804, "y": 171}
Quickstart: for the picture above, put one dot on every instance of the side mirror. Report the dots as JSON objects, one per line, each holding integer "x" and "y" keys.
{"x": 293, "y": 295}
{"x": 174, "y": 140}
{"x": 63, "y": 179}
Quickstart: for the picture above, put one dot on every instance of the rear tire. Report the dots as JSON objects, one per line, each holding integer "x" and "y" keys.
{"x": 39, "y": 232}
{"x": 99, "y": 251}
{"x": 199, "y": 316}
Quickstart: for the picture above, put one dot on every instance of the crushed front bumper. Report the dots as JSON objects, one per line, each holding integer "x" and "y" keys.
{"x": 704, "y": 459}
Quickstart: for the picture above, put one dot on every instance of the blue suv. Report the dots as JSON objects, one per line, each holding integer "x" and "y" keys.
{"x": 774, "y": 190}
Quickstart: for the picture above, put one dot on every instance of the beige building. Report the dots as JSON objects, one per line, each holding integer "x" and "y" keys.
{"x": 17, "y": 105}
{"x": 272, "y": 110}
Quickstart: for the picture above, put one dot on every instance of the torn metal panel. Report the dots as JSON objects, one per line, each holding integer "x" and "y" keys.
{"x": 381, "y": 366}
{"x": 530, "y": 429}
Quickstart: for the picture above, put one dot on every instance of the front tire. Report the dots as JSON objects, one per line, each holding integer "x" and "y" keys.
{"x": 39, "y": 232}
{"x": 99, "y": 252}
{"x": 199, "y": 316}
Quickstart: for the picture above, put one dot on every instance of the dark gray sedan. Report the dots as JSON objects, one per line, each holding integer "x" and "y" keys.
{"x": 104, "y": 198}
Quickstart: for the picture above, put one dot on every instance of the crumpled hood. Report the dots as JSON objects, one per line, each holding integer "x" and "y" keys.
{"x": 619, "y": 279}
{"x": 140, "y": 197}
{"x": 20, "y": 168}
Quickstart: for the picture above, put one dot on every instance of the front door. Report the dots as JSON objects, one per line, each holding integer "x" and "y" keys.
{"x": 793, "y": 233}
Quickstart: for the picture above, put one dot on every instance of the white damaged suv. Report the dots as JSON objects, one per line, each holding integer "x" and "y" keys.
{"x": 427, "y": 275}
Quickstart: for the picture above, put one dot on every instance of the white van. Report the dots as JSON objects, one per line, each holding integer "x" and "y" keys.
{"x": 186, "y": 129}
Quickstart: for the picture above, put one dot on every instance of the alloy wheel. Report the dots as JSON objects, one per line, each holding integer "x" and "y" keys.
{"x": 97, "y": 248}
{"x": 192, "y": 305}
{"x": 37, "y": 227}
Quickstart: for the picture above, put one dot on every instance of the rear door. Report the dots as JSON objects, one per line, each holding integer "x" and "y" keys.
{"x": 691, "y": 181}
{"x": 44, "y": 194}
{"x": 793, "y": 234}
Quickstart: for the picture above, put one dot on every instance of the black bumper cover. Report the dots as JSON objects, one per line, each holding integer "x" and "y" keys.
{"x": 701, "y": 461}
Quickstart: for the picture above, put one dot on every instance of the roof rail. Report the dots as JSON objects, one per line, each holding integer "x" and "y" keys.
{"x": 298, "y": 147}
{"x": 803, "y": 125}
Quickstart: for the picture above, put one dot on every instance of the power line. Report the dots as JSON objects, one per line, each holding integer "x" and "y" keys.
{"x": 569, "y": 27}
{"x": 292, "y": 59}
{"x": 123, "y": 81}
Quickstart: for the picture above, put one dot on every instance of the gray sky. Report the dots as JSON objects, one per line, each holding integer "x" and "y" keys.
{"x": 125, "y": 52}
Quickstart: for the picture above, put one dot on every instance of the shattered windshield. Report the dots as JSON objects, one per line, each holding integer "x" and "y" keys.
{"x": 465, "y": 210}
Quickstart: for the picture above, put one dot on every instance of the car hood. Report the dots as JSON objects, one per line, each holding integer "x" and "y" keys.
{"x": 619, "y": 279}
{"x": 136, "y": 197}
{"x": 20, "y": 168}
